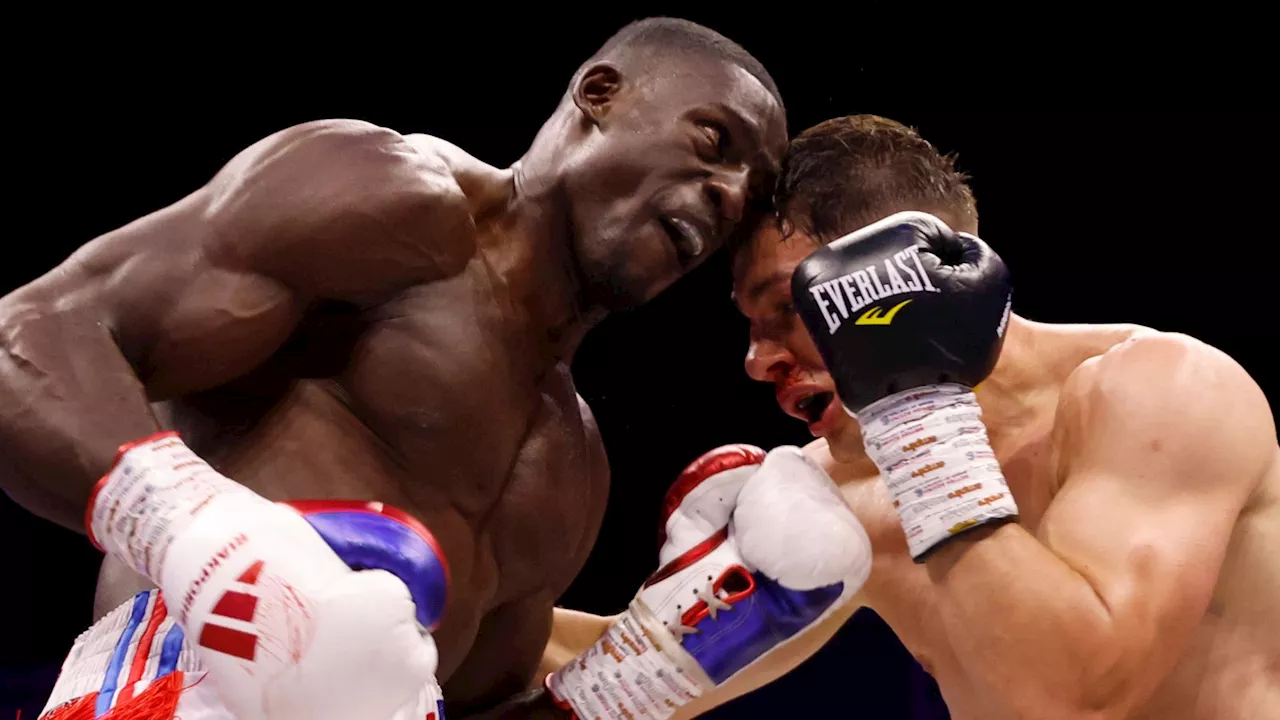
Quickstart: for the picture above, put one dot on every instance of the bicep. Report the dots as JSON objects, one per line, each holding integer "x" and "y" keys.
{"x": 203, "y": 291}
{"x": 1162, "y": 440}
{"x": 181, "y": 319}
{"x": 1151, "y": 558}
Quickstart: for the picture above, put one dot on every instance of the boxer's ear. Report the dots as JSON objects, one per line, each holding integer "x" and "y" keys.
{"x": 596, "y": 89}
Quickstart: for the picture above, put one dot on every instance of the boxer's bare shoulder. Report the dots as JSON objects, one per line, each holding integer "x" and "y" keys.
{"x": 1168, "y": 468}
{"x": 202, "y": 290}
{"x": 1169, "y": 394}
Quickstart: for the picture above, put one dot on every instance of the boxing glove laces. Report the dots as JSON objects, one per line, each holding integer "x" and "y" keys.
{"x": 909, "y": 316}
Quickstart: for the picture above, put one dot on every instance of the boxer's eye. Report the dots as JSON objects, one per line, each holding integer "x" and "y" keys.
{"x": 716, "y": 143}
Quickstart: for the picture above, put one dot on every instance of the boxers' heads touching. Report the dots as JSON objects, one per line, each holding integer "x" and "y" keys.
{"x": 677, "y": 136}
{"x": 837, "y": 177}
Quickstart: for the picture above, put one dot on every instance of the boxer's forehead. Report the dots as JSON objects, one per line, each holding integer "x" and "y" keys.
{"x": 766, "y": 261}
{"x": 748, "y": 97}
{"x": 728, "y": 90}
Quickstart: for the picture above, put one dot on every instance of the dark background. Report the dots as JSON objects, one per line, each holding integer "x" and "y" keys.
{"x": 1122, "y": 173}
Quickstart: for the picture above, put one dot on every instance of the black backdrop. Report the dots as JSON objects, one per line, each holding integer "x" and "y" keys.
{"x": 1121, "y": 175}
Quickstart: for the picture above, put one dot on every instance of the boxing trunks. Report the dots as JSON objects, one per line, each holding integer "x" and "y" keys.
{"x": 135, "y": 664}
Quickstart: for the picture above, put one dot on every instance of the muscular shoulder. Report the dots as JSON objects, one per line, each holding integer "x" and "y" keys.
{"x": 1166, "y": 399}
{"x": 334, "y": 199}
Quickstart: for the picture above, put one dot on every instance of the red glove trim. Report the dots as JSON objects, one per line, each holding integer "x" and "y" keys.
{"x": 714, "y": 462}
{"x": 562, "y": 704}
{"x": 693, "y": 555}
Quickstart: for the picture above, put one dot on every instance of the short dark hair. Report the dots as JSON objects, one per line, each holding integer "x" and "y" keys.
{"x": 665, "y": 36}
{"x": 851, "y": 171}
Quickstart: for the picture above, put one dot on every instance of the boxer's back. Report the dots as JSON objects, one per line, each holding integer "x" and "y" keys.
{"x": 1230, "y": 670}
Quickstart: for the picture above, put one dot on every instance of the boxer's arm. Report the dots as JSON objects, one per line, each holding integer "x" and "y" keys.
{"x": 1162, "y": 441}
{"x": 574, "y": 632}
{"x": 201, "y": 292}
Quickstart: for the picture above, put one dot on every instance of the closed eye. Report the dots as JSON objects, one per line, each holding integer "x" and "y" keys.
{"x": 717, "y": 140}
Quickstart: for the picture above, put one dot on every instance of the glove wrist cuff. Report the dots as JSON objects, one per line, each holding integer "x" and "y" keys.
{"x": 151, "y": 494}
{"x": 636, "y": 665}
{"x": 935, "y": 458}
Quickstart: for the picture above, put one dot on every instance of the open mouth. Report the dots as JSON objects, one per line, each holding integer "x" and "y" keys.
{"x": 687, "y": 239}
{"x": 813, "y": 406}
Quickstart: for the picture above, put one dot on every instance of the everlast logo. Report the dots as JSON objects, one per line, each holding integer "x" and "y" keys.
{"x": 928, "y": 469}
{"x": 990, "y": 499}
{"x": 917, "y": 444}
{"x": 611, "y": 650}
{"x": 961, "y": 492}
{"x": 841, "y": 298}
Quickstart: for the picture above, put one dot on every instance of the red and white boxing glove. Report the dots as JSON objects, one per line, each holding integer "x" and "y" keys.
{"x": 756, "y": 548}
{"x": 285, "y": 628}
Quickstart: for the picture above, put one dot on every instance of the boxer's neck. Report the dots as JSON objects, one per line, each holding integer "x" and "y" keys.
{"x": 1020, "y": 387}
{"x": 522, "y": 233}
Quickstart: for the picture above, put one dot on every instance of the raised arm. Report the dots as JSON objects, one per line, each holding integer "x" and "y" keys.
{"x": 1162, "y": 441}
{"x": 203, "y": 291}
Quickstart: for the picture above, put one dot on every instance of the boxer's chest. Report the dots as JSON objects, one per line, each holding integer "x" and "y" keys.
{"x": 459, "y": 391}
{"x": 438, "y": 406}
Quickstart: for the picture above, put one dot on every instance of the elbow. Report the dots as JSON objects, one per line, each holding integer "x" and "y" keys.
{"x": 1101, "y": 691}
{"x": 1067, "y": 703}
{"x": 1091, "y": 676}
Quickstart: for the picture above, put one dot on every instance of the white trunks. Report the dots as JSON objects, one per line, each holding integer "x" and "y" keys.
{"x": 135, "y": 664}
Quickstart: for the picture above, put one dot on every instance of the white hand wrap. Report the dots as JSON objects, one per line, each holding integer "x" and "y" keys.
{"x": 933, "y": 452}
{"x": 636, "y": 669}
{"x": 151, "y": 495}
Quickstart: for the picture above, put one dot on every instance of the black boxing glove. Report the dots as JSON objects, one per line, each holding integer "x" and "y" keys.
{"x": 909, "y": 316}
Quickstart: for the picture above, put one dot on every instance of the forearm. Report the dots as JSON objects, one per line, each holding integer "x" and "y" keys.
{"x": 1025, "y": 625}
{"x": 70, "y": 399}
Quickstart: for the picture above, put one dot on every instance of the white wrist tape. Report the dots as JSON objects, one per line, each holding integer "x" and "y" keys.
{"x": 934, "y": 455}
{"x": 153, "y": 492}
{"x": 636, "y": 669}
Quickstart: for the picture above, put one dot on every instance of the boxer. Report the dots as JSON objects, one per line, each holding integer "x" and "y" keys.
{"x": 1067, "y": 520}
{"x": 345, "y": 313}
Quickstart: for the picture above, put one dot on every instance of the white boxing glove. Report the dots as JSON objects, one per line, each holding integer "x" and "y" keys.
{"x": 756, "y": 549}
{"x": 285, "y": 628}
